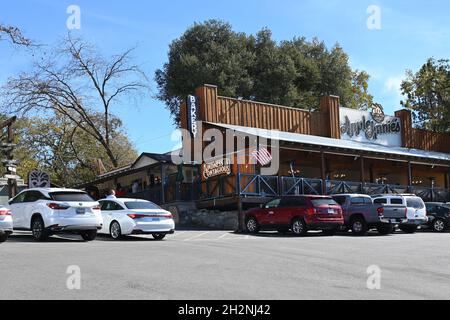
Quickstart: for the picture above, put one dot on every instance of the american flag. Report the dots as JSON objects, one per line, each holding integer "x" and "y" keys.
{"x": 262, "y": 156}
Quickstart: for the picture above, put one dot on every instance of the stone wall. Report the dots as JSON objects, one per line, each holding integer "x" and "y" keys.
{"x": 187, "y": 215}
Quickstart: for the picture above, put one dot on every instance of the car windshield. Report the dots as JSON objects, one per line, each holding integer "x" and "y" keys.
{"x": 132, "y": 205}
{"x": 415, "y": 203}
{"x": 71, "y": 196}
{"x": 324, "y": 202}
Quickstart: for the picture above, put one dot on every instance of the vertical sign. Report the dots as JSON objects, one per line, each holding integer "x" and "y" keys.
{"x": 192, "y": 115}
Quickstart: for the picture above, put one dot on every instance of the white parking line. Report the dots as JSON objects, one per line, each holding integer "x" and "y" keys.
{"x": 222, "y": 236}
{"x": 196, "y": 236}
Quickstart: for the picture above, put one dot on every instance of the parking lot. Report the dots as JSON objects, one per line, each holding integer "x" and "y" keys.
{"x": 224, "y": 265}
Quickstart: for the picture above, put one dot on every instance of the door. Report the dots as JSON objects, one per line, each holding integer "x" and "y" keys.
{"x": 268, "y": 212}
{"x": 16, "y": 207}
{"x": 289, "y": 208}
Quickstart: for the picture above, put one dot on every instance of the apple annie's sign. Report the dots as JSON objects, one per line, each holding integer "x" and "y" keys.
{"x": 374, "y": 126}
{"x": 216, "y": 168}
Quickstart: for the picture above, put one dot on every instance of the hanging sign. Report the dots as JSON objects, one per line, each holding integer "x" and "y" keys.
{"x": 216, "y": 168}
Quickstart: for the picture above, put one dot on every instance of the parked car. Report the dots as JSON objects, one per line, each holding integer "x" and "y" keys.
{"x": 361, "y": 214}
{"x": 298, "y": 214}
{"x": 416, "y": 213}
{"x": 438, "y": 215}
{"x": 48, "y": 211}
{"x": 133, "y": 216}
{"x": 6, "y": 224}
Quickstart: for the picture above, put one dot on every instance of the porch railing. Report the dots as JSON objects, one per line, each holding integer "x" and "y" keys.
{"x": 253, "y": 185}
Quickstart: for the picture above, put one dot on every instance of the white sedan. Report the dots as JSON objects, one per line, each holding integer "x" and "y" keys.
{"x": 124, "y": 216}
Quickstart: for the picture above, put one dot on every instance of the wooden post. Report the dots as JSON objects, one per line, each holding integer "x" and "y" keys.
{"x": 363, "y": 178}
{"x": 163, "y": 178}
{"x": 322, "y": 172}
{"x": 409, "y": 174}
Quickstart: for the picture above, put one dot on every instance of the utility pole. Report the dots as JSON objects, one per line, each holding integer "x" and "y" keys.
{"x": 9, "y": 163}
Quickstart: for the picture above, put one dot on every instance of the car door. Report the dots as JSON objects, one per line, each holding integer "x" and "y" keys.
{"x": 106, "y": 208}
{"x": 268, "y": 212}
{"x": 16, "y": 206}
{"x": 290, "y": 207}
{"x": 30, "y": 206}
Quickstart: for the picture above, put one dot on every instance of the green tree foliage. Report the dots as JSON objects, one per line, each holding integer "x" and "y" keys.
{"x": 428, "y": 95}
{"x": 295, "y": 73}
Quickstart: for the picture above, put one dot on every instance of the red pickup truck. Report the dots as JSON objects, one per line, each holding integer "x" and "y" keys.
{"x": 298, "y": 214}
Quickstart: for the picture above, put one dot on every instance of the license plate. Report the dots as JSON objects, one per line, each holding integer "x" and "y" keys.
{"x": 393, "y": 221}
{"x": 155, "y": 219}
{"x": 81, "y": 211}
{"x": 330, "y": 211}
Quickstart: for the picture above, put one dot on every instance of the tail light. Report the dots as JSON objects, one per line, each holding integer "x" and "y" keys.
{"x": 5, "y": 212}
{"x": 380, "y": 211}
{"x": 448, "y": 213}
{"x": 138, "y": 216}
{"x": 97, "y": 208}
{"x": 311, "y": 211}
{"x": 57, "y": 206}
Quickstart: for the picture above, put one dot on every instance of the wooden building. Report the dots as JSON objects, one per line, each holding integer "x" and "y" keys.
{"x": 327, "y": 151}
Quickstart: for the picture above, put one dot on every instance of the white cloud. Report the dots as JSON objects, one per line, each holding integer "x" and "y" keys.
{"x": 392, "y": 84}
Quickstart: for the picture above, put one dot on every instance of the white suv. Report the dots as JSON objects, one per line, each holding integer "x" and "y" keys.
{"x": 416, "y": 213}
{"x": 46, "y": 211}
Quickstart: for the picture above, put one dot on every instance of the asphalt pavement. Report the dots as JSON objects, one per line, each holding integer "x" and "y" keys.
{"x": 223, "y": 265}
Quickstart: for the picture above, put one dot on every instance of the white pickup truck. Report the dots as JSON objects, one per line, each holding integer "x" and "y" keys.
{"x": 416, "y": 214}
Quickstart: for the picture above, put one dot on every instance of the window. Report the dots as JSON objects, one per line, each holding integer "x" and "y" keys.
{"x": 415, "y": 203}
{"x": 431, "y": 208}
{"x": 33, "y": 196}
{"x": 357, "y": 201}
{"x": 340, "y": 200}
{"x": 19, "y": 198}
{"x": 396, "y": 201}
{"x": 141, "y": 205}
{"x": 368, "y": 200}
{"x": 110, "y": 206}
{"x": 380, "y": 201}
{"x": 323, "y": 202}
{"x": 293, "y": 202}
{"x": 273, "y": 204}
{"x": 71, "y": 196}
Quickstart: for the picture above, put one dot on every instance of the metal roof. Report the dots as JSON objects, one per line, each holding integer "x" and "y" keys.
{"x": 336, "y": 143}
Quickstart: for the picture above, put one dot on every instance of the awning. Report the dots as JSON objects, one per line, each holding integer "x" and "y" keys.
{"x": 337, "y": 143}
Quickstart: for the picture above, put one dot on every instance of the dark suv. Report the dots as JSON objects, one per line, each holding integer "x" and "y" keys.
{"x": 438, "y": 215}
{"x": 298, "y": 214}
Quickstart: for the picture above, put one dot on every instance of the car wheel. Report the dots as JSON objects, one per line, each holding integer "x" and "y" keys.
{"x": 408, "y": 228}
{"x": 298, "y": 227}
{"x": 3, "y": 237}
{"x": 358, "y": 226}
{"x": 438, "y": 225}
{"x": 385, "y": 229}
{"x": 158, "y": 236}
{"x": 115, "y": 231}
{"x": 38, "y": 229}
{"x": 89, "y": 235}
{"x": 252, "y": 225}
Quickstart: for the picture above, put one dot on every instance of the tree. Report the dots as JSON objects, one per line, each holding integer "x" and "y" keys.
{"x": 428, "y": 95}
{"x": 78, "y": 84}
{"x": 14, "y": 35}
{"x": 206, "y": 53}
{"x": 295, "y": 73}
{"x": 57, "y": 146}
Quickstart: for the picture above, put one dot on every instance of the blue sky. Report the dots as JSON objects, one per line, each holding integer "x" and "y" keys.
{"x": 411, "y": 31}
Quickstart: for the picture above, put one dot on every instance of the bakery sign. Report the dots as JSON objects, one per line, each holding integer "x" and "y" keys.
{"x": 370, "y": 126}
{"x": 192, "y": 115}
{"x": 216, "y": 168}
